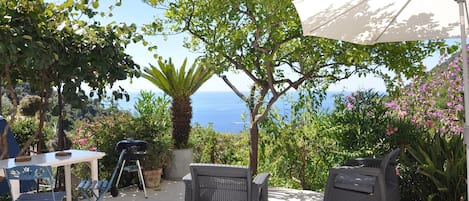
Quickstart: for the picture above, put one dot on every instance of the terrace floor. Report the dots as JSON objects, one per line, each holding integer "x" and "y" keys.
{"x": 174, "y": 191}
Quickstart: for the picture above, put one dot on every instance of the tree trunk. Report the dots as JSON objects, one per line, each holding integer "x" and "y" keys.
{"x": 60, "y": 129}
{"x": 181, "y": 115}
{"x": 41, "y": 125}
{"x": 1, "y": 96}
{"x": 254, "y": 145}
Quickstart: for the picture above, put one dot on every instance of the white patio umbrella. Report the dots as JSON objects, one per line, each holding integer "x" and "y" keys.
{"x": 376, "y": 21}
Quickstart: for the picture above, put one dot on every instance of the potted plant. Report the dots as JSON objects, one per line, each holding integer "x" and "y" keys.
{"x": 157, "y": 157}
{"x": 180, "y": 85}
{"x": 151, "y": 124}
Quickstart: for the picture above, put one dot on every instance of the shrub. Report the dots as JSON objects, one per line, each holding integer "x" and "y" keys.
{"x": 152, "y": 124}
{"x": 213, "y": 147}
{"x": 101, "y": 135}
{"x": 24, "y": 129}
{"x": 360, "y": 123}
{"x": 442, "y": 160}
{"x": 7, "y": 106}
{"x": 293, "y": 147}
{"x": 295, "y": 152}
{"x": 104, "y": 132}
{"x": 434, "y": 101}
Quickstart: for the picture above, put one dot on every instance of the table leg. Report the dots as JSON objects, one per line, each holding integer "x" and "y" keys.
{"x": 15, "y": 189}
{"x": 94, "y": 173}
{"x": 68, "y": 182}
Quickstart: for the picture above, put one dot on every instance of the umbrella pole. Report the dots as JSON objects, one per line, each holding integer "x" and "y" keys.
{"x": 465, "y": 80}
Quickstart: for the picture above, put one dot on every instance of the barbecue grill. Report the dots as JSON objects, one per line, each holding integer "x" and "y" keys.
{"x": 133, "y": 150}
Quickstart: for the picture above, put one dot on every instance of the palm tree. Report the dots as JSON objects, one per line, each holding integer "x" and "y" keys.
{"x": 180, "y": 85}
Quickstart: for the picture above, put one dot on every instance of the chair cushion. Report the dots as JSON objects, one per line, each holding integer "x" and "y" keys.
{"x": 355, "y": 182}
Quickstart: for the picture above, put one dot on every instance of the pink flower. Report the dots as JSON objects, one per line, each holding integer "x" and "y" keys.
{"x": 402, "y": 114}
{"x": 350, "y": 98}
{"x": 82, "y": 142}
{"x": 392, "y": 105}
{"x": 429, "y": 123}
{"x": 389, "y": 131}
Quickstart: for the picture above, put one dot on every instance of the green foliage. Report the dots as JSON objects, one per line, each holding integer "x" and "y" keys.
{"x": 101, "y": 134}
{"x": 294, "y": 147}
{"x": 152, "y": 124}
{"x": 29, "y": 105}
{"x": 413, "y": 185}
{"x": 180, "y": 85}
{"x": 295, "y": 152}
{"x": 362, "y": 125}
{"x": 7, "y": 106}
{"x": 360, "y": 122}
{"x": 177, "y": 83}
{"x": 149, "y": 105}
{"x": 24, "y": 129}
{"x": 443, "y": 160}
{"x": 213, "y": 147}
{"x": 46, "y": 45}
{"x": 264, "y": 41}
{"x": 156, "y": 134}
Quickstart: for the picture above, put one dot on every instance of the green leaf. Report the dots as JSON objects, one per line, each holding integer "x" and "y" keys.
{"x": 27, "y": 37}
{"x": 68, "y": 3}
{"x": 95, "y": 4}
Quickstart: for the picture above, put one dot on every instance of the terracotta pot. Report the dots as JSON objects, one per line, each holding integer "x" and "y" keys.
{"x": 152, "y": 178}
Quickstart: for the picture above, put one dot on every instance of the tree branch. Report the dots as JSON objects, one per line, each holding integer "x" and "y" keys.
{"x": 237, "y": 92}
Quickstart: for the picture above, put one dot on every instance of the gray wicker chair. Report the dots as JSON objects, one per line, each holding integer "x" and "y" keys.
{"x": 215, "y": 182}
{"x": 364, "y": 179}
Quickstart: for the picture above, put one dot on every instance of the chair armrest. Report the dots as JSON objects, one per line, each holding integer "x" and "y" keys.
{"x": 260, "y": 187}
{"x": 356, "y": 170}
{"x": 261, "y": 179}
{"x": 188, "y": 183}
{"x": 187, "y": 178}
{"x": 367, "y": 162}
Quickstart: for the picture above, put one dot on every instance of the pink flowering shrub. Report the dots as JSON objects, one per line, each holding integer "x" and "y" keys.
{"x": 365, "y": 127}
{"x": 101, "y": 134}
{"x": 434, "y": 101}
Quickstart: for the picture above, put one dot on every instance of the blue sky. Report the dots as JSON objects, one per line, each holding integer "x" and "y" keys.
{"x": 135, "y": 11}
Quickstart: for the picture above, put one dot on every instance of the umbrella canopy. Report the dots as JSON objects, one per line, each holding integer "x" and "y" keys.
{"x": 375, "y": 21}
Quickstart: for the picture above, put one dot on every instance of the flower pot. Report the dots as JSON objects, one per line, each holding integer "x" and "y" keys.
{"x": 152, "y": 178}
{"x": 180, "y": 162}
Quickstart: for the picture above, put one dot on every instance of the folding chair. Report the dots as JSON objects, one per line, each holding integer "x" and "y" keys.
{"x": 33, "y": 173}
{"x": 88, "y": 187}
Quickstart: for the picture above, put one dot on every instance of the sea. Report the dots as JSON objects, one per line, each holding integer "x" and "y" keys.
{"x": 223, "y": 110}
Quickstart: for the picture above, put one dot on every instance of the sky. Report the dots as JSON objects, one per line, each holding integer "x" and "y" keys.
{"x": 135, "y": 11}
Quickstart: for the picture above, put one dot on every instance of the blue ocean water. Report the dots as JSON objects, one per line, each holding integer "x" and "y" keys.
{"x": 223, "y": 110}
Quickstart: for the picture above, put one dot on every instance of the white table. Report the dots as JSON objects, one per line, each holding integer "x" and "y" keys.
{"x": 50, "y": 159}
